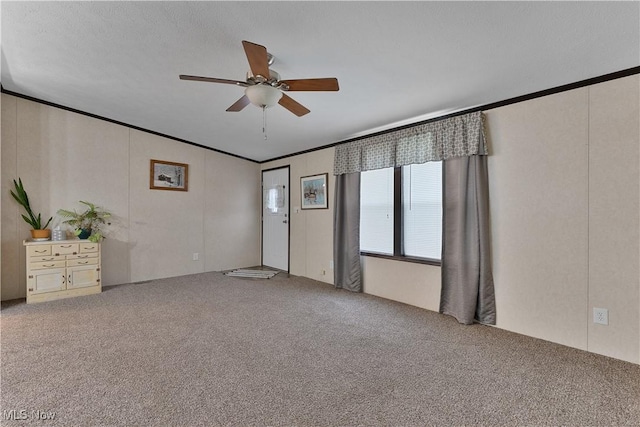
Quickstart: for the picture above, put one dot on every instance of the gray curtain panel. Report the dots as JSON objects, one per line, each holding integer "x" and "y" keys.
{"x": 346, "y": 233}
{"x": 467, "y": 280}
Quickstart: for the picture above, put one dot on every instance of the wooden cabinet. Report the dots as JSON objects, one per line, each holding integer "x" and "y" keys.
{"x": 62, "y": 269}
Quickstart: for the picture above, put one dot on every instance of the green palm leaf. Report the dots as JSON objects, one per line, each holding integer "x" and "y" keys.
{"x": 20, "y": 196}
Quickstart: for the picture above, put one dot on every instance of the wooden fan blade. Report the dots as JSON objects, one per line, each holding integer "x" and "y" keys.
{"x": 293, "y": 106}
{"x": 257, "y": 57}
{"x": 328, "y": 84}
{"x": 213, "y": 80}
{"x": 239, "y": 104}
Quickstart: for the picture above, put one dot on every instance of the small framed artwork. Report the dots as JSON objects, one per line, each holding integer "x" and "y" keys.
{"x": 314, "y": 191}
{"x": 169, "y": 176}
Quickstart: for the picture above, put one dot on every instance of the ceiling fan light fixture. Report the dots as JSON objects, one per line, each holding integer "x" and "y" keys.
{"x": 263, "y": 95}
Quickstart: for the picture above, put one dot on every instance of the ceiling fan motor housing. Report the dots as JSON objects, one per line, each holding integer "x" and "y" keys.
{"x": 272, "y": 79}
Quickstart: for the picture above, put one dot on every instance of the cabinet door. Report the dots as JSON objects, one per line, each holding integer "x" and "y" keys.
{"x": 50, "y": 280}
{"x": 82, "y": 276}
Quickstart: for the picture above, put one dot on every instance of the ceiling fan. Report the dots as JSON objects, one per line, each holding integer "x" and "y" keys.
{"x": 263, "y": 85}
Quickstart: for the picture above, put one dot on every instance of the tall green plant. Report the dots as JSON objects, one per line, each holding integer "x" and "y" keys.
{"x": 21, "y": 197}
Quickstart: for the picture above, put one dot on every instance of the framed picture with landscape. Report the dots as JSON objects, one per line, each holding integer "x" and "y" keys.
{"x": 314, "y": 191}
{"x": 169, "y": 176}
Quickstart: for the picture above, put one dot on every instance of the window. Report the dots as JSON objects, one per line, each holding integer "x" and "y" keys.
{"x": 274, "y": 198}
{"x": 376, "y": 211}
{"x": 401, "y": 211}
{"x": 422, "y": 210}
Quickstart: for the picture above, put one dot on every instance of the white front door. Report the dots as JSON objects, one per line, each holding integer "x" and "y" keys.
{"x": 275, "y": 218}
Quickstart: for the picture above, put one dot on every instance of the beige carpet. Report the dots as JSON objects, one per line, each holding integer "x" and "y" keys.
{"x": 209, "y": 349}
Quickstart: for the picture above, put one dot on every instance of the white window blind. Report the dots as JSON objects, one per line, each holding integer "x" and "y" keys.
{"x": 376, "y": 211}
{"x": 422, "y": 210}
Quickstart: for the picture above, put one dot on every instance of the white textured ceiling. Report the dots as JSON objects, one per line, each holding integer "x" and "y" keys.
{"x": 395, "y": 61}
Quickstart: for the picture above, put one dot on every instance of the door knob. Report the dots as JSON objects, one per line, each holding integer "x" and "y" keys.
{"x": 285, "y": 221}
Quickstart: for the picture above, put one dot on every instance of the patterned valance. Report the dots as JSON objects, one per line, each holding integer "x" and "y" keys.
{"x": 438, "y": 140}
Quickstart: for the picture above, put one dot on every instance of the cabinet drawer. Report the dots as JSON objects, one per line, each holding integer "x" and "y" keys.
{"x": 88, "y": 247}
{"x": 84, "y": 261}
{"x": 38, "y": 250}
{"x": 44, "y": 258}
{"x": 64, "y": 249}
{"x": 83, "y": 256}
{"x": 46, "y": 264}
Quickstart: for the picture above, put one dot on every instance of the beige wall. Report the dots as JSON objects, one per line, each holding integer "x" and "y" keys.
{"x": 8, "y": 223}
{"x": 614, "y": 214}
{"x": 565, "y": 183}
{"x": 2, "y": 187}
{"x": 63, "y": 157}
{"x": 407, "y": 282}
{"x": 565, "y": 191}
{"x": 538, "y": 174}
{"x": 311, "y": 245}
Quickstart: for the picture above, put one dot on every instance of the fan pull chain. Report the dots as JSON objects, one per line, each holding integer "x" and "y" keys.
{"x": 264, "y": 122}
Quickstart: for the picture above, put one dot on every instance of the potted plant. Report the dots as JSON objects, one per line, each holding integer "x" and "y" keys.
{"x": 87, "y": 224}
{"x": 38, "y": 232}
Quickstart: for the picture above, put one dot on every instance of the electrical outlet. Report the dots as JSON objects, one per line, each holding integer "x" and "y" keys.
{"x": 323, "y": 272}
{"x": 600, "y": 316}
{"x": 196, "y": 256}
